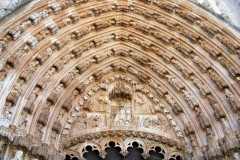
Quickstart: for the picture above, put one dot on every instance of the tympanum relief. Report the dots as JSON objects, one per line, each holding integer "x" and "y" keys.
{"x": 120, "y": 106}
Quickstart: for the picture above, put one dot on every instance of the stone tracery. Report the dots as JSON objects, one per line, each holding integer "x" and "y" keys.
{"x": 42, "y": 79}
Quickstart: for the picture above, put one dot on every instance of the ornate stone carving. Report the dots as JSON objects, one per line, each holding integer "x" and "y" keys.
{"x": 69, "y": 77}
{"x": 43, "y": 117}
{"x": 99, "y": 10}
{"x": 208, "y": 27}
{"x": 191, "y": 17}
{"x": 204, "y": 90}
{"x": 163, "y": 37}
{"x": 57, "y": 126}
{"x": 232, "y": 47}
{"x": 15, "y": 32}
{"x": 59, "y": 44}
{"x": 187, "y": 52}
{"x": 190, "y": 99}
{"x": 103, "y": 24}
{"x": 14, "y": 93}
{"x": 166, "y": 6}
{"x": 204, "y": 122}
{"x": 27, "y": 73}
{"x": 53, "y": 28}
{"x": 5, "y": 117}
{"x": 67, "y": 105}
{"x": 160, "y": 71}
{"x": 32, "y": 41}
{"x": 35, "y": 18}
{"x": 204, "y": 66}
{"x": 3, "y": 46}
{"x": 235, "y": 72}
{"x": 213, "y": 148}
{"x": 83, "y": 31}
{"x": 189, "y": 34}
{"x": 42, "y": 57}
{"x": 56, "y": 8}
{"x": 212, "y": 51}
{"x": 42, "y": 82}
{"x": 12, "y": 62}
{"x": 178, "y": 86}
{"x": 233, "y": 100}
{"x": 217, "y": 79}
{"x": 78, "y": 51}
{"x": 3, "y": 75}
{"x": 175, "y": 106}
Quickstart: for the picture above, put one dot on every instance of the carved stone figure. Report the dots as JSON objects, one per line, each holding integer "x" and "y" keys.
{"x": 191, "y": 17}
{"x": 123, "y": 115}
{"x": 190, "y": 99}
{"x": 42, "y": 57}
{"x": 12, "y": 62}
{"x": 204, "y": 122}
{"x": 189, "y": 34}
{"x": 27, "y": 73}
{"x": 69, "y": 77}
{"x": 6, "y": 116}
{"x": 81, "y": 121}
{"x": 23, "y": 120}
{"x": 32, "y": 41}
{"x": 55, "y": 7}
{"x": 53, "y": 28}
{"x": 3, "y": 45}
{"x": 166, "y": 6}
{"x": 15, "y": 92}
{"x": 204, "y": 65}
{"x": 234, "y": 71}
{"x": 175, "y": 82}
{"x": 3, "y": 75}
{"x": 208, "y": 27}
{"x": 234, "y": 102}
{"x": 214, "y": 151}
{"x": 44, "y": 115}
{"x": 35, "y": 18}
{"x": 217, "y": 79}
{"x": 38, "y": 132}
{"x": 103, "y": 24}
{"x": 16, "y": 32}
{"x": 175, "y": 106}
{"x": 95, "y": 121}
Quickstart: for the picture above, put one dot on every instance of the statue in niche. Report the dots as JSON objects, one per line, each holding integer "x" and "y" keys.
{"x": 123, "y": 115}
{"x": 142, "y": 104}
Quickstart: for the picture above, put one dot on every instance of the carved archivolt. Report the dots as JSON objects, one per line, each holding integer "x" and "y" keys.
{"x": 75, "y": 68}
{"x": 147, "y": 147}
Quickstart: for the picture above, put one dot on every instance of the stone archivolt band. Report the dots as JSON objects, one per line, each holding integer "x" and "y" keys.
{"x": 68, "y": 53}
